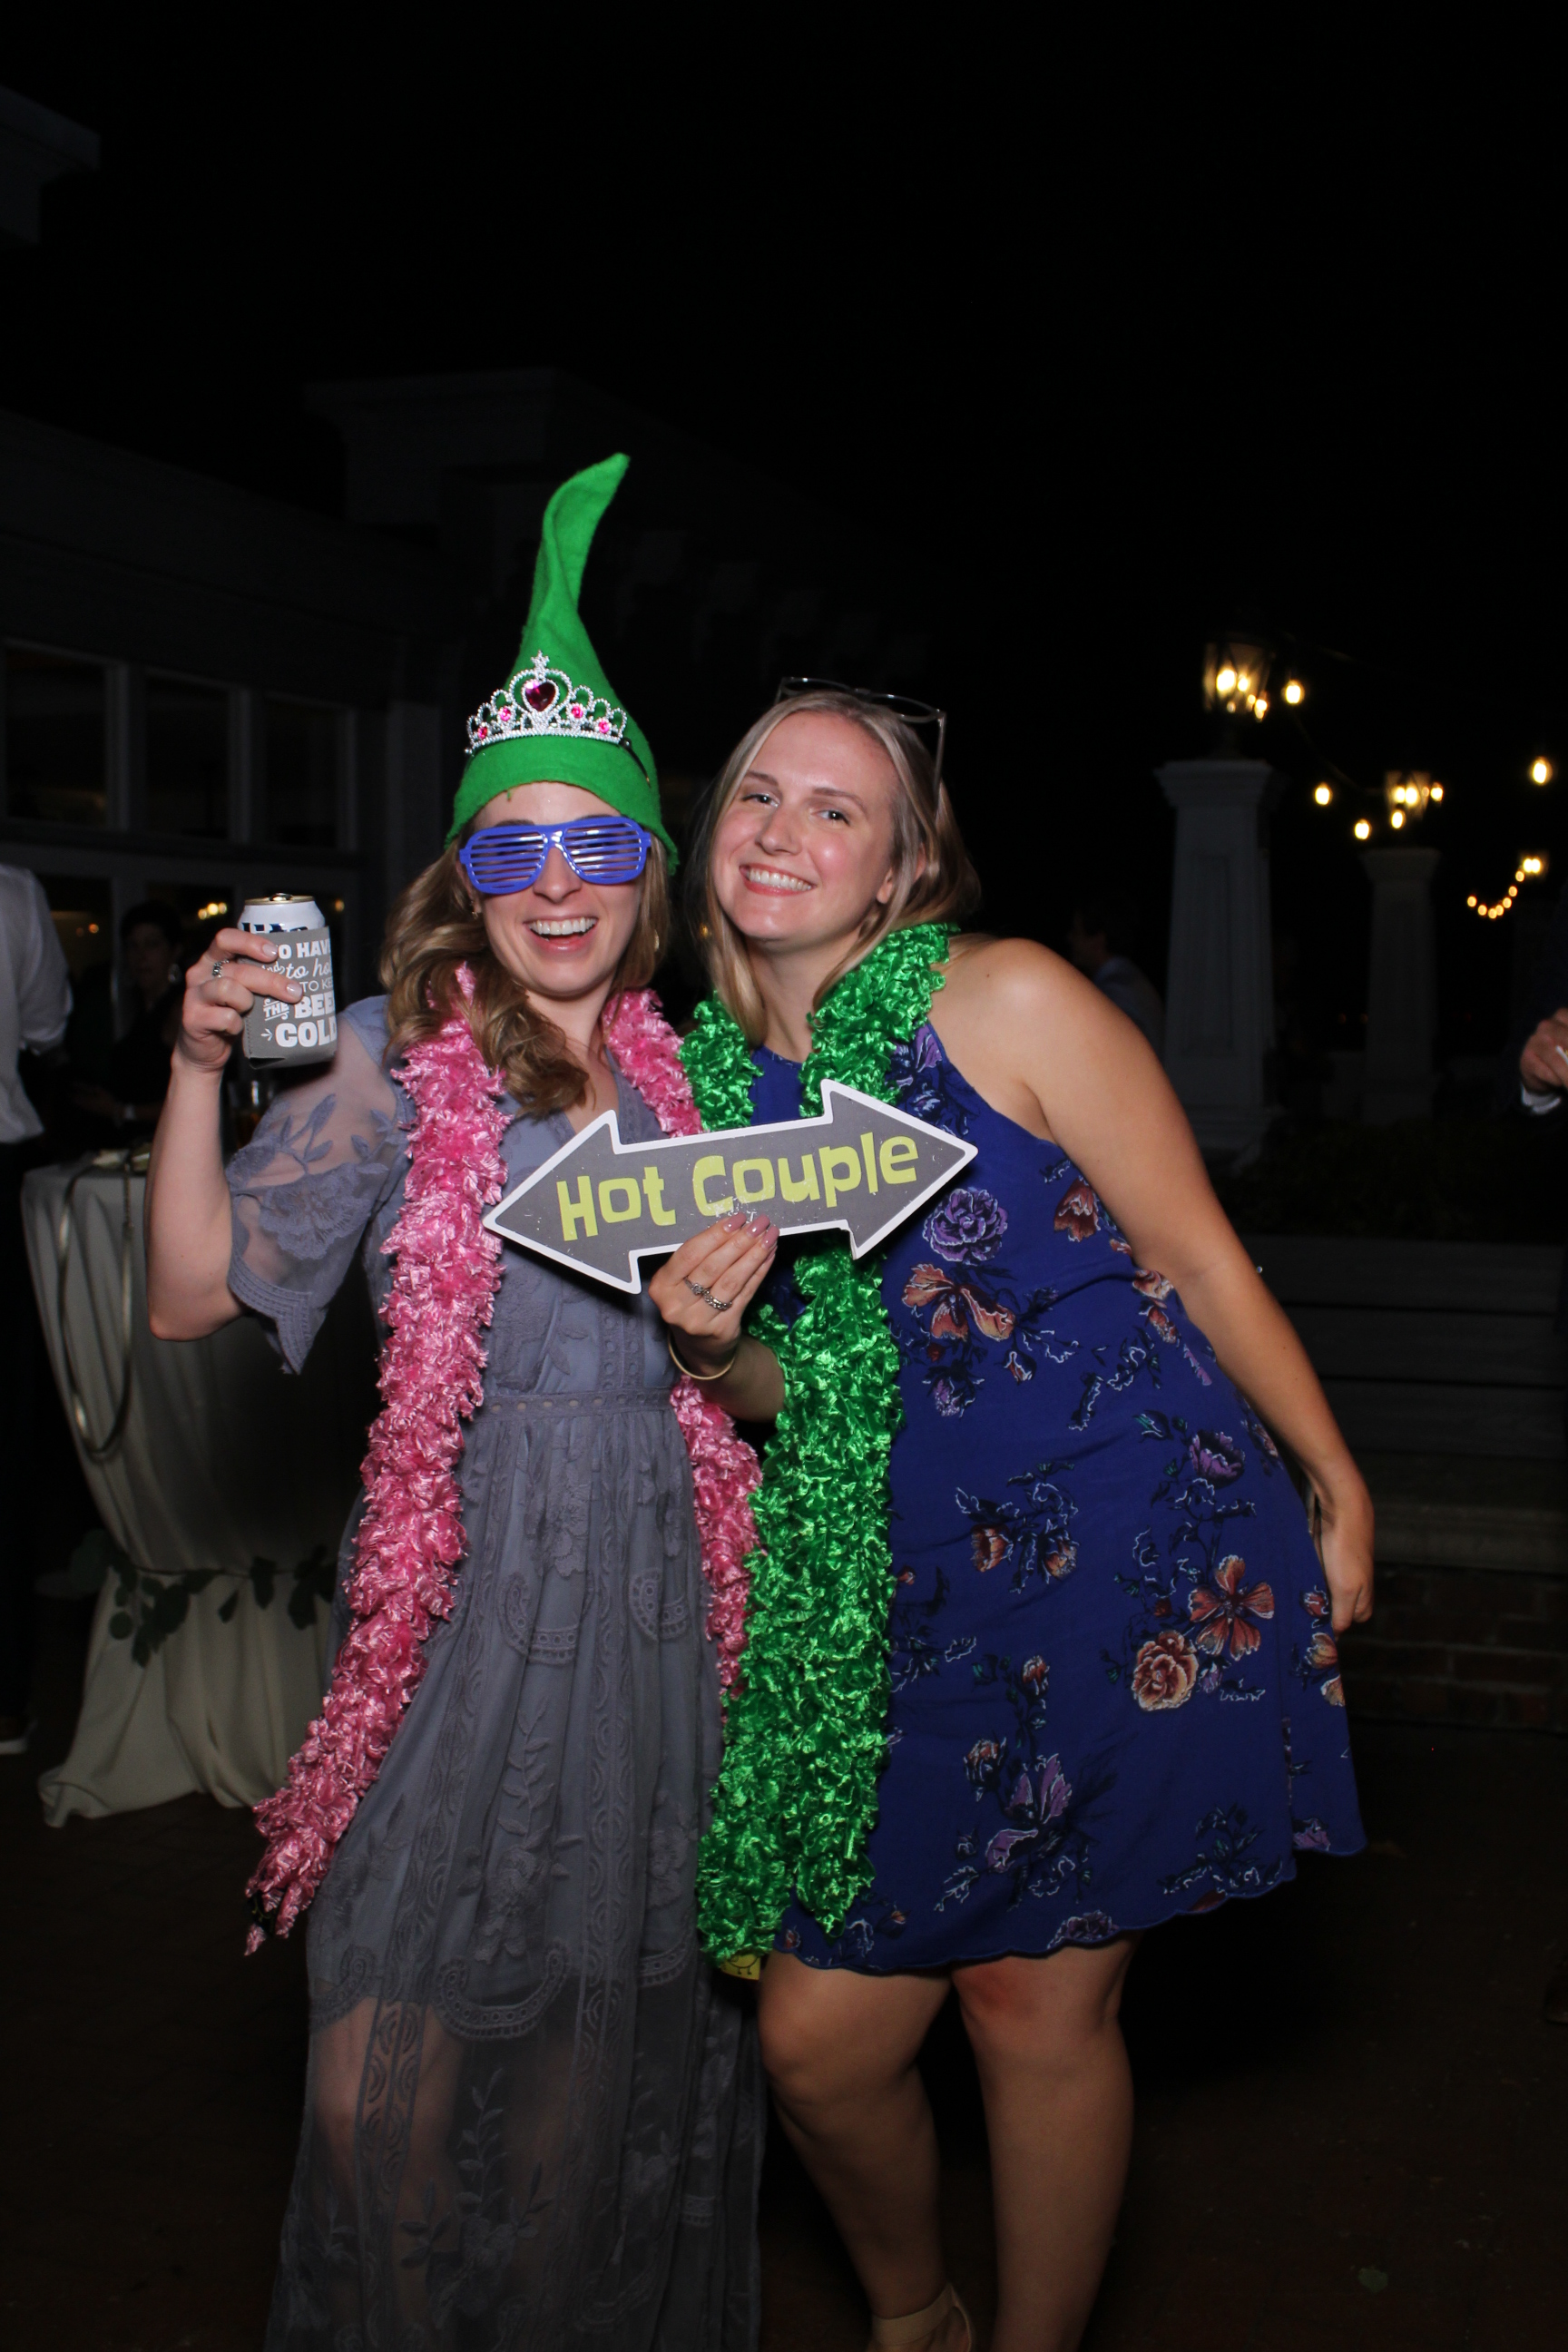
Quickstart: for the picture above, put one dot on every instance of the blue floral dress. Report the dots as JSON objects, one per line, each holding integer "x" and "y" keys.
{"x": 1115, "y": 1692}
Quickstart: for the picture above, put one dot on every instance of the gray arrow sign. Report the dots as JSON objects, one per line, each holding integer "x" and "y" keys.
{"x": 599, "y": 1205}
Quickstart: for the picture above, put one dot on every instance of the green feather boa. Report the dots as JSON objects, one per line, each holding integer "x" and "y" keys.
{"x": 805, "y": 1732}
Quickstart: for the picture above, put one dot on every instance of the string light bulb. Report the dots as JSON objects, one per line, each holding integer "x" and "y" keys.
{"x": 1295, "y": 691}
{"x": 1324, "y": 795}
{"x": 1534, "y": 864}
{"x": 1397, "y": 819}
{"x": 1435, "y": 794}
{"x": 1541, "y": 772}
{"x": 1362, "y": 830}
{"x": 1225, "y": 684}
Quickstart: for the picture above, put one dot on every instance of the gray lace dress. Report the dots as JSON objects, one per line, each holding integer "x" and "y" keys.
{"x": 533, "y": 2114}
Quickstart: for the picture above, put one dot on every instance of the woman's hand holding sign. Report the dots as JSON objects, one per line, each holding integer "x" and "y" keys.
{"x": 702, "y": 1291}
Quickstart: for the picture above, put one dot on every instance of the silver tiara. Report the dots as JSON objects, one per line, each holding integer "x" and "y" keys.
{"x": 540, "y": 700}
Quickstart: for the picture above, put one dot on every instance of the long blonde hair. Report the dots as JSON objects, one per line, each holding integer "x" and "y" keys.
{"x": 436, "y": 926}
{"x": 944, "y": 884}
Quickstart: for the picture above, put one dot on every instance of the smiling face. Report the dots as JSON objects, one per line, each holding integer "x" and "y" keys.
{"x": 562, "y": 937}
{"x": 805, "y": 849}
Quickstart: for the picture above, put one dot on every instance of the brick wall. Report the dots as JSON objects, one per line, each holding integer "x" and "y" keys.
{"x": 1462, "y": 1646}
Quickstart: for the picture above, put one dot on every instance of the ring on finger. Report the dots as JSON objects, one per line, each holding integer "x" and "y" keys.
{"x": 218, "y": 971}
{"x": 699, "y": 1290}
{"x": 720, "y": 1305}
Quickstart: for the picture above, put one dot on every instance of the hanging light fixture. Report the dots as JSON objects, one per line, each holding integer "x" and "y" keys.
{"x": 1236, "y": 676}
{"x": 1406, "y": 792}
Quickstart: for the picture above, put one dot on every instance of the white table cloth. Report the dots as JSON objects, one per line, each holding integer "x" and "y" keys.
{"x": 224, "y": 1459}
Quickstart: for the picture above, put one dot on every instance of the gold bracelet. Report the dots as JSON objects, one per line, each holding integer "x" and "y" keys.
{"x": 690, "y": 1375}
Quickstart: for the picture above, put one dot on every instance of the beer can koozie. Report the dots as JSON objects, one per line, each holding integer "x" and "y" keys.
{"x": 307, "y": 1029}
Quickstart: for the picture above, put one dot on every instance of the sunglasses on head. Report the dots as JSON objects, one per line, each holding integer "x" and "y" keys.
{"x": 902, "y": 706}
{"x": 502, "y": 858}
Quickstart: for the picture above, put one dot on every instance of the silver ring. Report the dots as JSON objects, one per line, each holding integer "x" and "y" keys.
{"x": 720, "y": 1305}
{"x": 218, "y": 971}
{"x": 699, "y": 1290}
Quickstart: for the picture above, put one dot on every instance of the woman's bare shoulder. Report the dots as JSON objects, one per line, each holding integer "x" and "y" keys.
{"x": 1016, "y": 975}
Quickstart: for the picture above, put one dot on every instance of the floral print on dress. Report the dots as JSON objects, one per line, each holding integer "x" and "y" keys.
{"x": 1200, "y": 1614}
{"x": 1034, "y": 1829}
{"x": 919, "y": 1074}
{"x": 1317, "y": 1664}
{"x": 1100, "y": 1654}
{"x": 1034, "y": 1534}
{"x": 306, "y": 1219}
{"x": 1225, "y": 1838}
{"x": 968, "y": 1307}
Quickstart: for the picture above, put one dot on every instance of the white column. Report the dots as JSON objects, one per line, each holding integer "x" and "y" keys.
{"x": 415, "y": 818}
{"x": 1219, "y": 1014}
{"x": 1402, "y": 988}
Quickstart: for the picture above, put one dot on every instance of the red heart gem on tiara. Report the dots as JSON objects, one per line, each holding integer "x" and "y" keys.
{"x": 540, "y": 695}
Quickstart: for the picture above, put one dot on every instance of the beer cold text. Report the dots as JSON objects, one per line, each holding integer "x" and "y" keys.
{"x": 278, "y": 1030}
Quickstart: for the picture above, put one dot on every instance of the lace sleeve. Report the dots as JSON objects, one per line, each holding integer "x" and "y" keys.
{"x": 327, "y": 1156}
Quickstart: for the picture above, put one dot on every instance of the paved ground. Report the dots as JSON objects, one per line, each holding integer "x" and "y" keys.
{"x": 1349, "y": 2130}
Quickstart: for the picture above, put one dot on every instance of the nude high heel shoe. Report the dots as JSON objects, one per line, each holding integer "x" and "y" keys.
{"x": 896, "y": 2335}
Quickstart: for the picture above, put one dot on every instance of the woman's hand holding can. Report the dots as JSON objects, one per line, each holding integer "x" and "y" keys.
{"x": 220, "y": 988}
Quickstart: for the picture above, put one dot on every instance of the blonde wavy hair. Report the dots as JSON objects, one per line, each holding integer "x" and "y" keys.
{"x": 932, "y": 876}
{"x": 436, "y": 925}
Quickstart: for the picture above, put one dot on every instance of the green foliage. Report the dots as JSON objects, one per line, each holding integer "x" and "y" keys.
{"x": 1420, "y": 1180}
{"x": 148, "y": 1607}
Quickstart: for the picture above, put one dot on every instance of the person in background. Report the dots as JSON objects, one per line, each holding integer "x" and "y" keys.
{"x": 151, "y": 937}
{"x": 35, "y": 1005}
{"x": 1540, "y": 1062}
{"x": 1101, "y": 932}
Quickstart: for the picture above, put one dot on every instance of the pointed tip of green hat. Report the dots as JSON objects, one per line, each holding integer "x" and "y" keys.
{"x": 570, "y": 519}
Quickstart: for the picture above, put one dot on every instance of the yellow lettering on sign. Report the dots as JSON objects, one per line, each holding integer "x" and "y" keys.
{"x": 869, "y": 1154}
{"x": 579, "y": 1218}
{"x": 709, "y": 1169}
{"x": 653, "y": 1186}
{"x": 807, "y": 1188}
{"x": 629, "y": 1189}
{"x": 840, "y": 1169}
{"x": 753, "y": 1180}
{"x": 897, "y": 1155}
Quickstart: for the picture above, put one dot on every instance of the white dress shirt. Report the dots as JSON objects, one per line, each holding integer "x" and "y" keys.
{"x": 35, "y": 992}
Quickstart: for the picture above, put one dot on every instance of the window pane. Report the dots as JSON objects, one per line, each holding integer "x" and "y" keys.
{"x": 85, "y": 928}
{"x": 54, "y": 737}
{"x": 301, "y": 774}
{"x": 187, "y": 758}
{"x": 203, "y": 907}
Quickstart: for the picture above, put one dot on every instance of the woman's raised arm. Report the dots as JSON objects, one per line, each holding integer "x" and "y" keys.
{"x": 1036, "y": 1039}
{"x": 189, "y": 1228}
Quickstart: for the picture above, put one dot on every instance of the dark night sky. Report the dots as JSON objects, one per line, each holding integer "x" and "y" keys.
{"x": 1123, "y": 369}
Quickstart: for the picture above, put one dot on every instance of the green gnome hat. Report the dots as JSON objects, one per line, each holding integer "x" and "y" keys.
{"x": 557, "y": 719}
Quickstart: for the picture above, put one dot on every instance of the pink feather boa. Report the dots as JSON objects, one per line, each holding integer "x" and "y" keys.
{"x": 411, "y": 1538}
